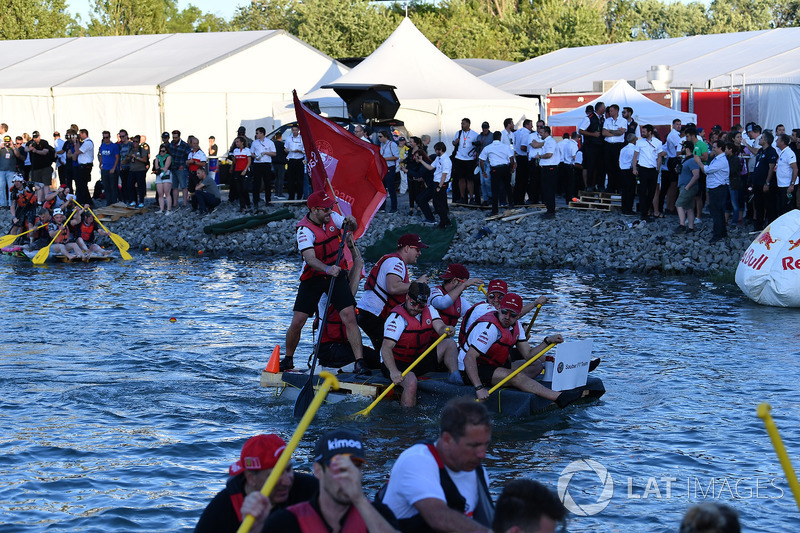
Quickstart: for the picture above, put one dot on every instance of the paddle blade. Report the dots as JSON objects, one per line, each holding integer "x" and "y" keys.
{"x": 7, "y": 240}
{"x": 42, "y": 255}
{"x": 121, "y": 243}
{"x": 125, "y": 255}
{"x": 304, "y": 399}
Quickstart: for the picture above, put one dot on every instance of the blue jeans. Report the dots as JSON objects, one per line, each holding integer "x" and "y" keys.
{"x": 486, "y": 184}
{"x": 110, "y": 185}
{"x": 735, "y": 204}
{"x": 5, "y": 183}
{"x": 391, "y": 189}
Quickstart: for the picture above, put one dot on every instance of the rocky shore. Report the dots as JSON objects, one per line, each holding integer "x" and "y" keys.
{"x": 583, "y": 240}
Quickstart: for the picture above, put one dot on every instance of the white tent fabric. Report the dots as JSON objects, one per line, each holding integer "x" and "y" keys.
{"x": 200, "y": 83}
{"x": 645, "y": 111}
{"x": 434, "y": 92}
{"x": 705, "y": 61}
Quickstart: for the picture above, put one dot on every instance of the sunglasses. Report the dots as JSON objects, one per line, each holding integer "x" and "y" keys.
{"x": 416, "y": 303}
{"x": 325, "y": 209}
{"x": 510, "y": 313}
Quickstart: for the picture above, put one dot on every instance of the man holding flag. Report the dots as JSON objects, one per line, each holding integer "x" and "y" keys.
{"x": 346, "y": 177}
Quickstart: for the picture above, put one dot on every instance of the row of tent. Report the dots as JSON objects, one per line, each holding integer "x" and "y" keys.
{"x": 211, "y": 83}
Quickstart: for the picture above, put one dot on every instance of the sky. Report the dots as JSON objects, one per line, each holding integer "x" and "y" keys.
{"x": 223, "y": 9}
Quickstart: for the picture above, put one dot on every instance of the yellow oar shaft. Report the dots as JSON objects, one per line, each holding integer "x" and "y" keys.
{"x": 530, "y": 325}
{"x": 780, "y": 450}
{"x": 480, "y": 288}
{"x": 283, "y": 460}
{"x": 521, "y": 368}
{"x": 406, "y": 371}
{"x": 25, "y": 232}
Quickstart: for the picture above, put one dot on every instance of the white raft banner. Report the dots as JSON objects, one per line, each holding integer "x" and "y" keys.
{"x": 569, "y": 367}
{"x": 769, "y": 271}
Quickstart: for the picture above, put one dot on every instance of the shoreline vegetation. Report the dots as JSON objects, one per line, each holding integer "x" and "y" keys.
{"x": 596, "y": 242}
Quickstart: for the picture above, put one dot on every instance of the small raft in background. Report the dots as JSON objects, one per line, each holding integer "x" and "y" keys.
{"x": 432, "y": 388}
{"x": 17, "y": 251}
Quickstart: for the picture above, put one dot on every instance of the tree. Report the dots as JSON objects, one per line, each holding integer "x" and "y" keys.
{"x": 739, "y": 15}
{"x": 129, "y": 17}
{"x": 34, "y": 19}
{"x": 265, "y": 15}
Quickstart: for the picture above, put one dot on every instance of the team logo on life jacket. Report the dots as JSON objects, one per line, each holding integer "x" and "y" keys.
{"x": 560, "y": 367}
{"x": 428, "y": 321}
{"x": 332, "y": 228}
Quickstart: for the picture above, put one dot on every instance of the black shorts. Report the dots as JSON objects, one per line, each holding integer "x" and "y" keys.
{"x": 372, "y": 326}
{"x": 485, "y": 373}
{"x": 311, "y": 290}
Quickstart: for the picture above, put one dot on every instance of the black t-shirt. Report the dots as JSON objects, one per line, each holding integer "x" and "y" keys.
{"x": 763, "y": 159}
{"x": 220, "y": 516}
{"x": 39, "y": 161}
{"x": 280, "y": 157}
{"x": 285, "y": 521}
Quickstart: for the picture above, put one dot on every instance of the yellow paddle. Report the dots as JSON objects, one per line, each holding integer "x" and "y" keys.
{"x": 530, "y": 325}
{"x": 521, "y": 368}
{"x": 365, "y": 412}
{"x": 122, "y": 244}
{"x": 763, "y": 413}
{"x": 480, "y": 288}
{"x": 42, "y": 255}
{"x": 283, "y": 460}
{"x": 8, "y": 240}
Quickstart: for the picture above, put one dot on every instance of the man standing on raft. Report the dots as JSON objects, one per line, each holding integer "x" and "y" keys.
{"x": 319, "y": 234}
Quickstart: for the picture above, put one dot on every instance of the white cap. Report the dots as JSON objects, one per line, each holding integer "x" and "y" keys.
{"x": 18, "y": 178}
{"x": 57, "y": 211}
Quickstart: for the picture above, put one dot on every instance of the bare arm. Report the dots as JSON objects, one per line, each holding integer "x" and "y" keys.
{"x": 440, "y": 517}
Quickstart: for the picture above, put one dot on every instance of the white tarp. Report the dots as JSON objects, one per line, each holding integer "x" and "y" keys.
{"x": 199, "y": 83}
{"x": 434, "y": 92}
{"x": 769, "y": 271}
{"x": 645, "y": 111}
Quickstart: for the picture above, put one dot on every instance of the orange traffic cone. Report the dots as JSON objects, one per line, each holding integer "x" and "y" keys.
{"x": 273, "y": 366}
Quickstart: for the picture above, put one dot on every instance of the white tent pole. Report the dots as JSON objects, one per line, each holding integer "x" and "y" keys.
{"x": 162, "y": 122}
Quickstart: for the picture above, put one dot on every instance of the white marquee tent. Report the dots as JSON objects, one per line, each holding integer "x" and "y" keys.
{"x": 765, "y": 62}
{"x": 434, "y": 92}
{"x": 645, "y": 111}
{"x": 200, "y": 83}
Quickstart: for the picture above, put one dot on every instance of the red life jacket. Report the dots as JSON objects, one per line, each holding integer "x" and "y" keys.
{"x": 500, "y": 351}
{"x": 311, "y": 522}
{"x": 334, "y": 328}
{"x": 463, "y": 334}
{"x": 418, "y": 335}
{"x": 326, "y": 246}
{"x": 24, "y": 197}
{"x": 42, "y": 232}
{"x": 63, "y": 235}
{"x": 450, "y": 315}
{"x": 87, "y": 232}
{"x": 390, "y": 301}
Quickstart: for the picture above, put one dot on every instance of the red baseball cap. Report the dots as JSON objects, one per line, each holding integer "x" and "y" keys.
{"x": 497, "y": 285}
{"x": 411, "y": 239}
{"x": 320, "y": 199}
{"x": 512, "y": 302}
{"x": 456, "y": 270}
{"x": 258, "y": 453}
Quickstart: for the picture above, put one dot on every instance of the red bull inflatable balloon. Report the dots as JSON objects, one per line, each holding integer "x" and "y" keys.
{"x": 769, "y": 271}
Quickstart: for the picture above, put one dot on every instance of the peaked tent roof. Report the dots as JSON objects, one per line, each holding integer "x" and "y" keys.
{"x": 437, "y": 76}
{"x": 699, "y": 60}
{"x": 645, "y": 111}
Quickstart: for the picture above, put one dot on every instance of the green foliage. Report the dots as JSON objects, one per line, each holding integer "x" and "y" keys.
{"x": 34, "y": 19}
{"x": 497, "y": 29}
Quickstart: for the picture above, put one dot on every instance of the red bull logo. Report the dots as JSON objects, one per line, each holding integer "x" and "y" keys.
{"x": 790, "y": 263}
{"x": 766, "y": 239}
{"x": 750, "y": 259}
{"x": 794, "y": 244}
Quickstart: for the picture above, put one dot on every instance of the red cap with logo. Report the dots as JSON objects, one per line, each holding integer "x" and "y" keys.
{"x": 456, "y": 270}
{"x": 497, "y": 285}
{"x": 258, "y": 453}
{"x": 320, "y": 199}
{"x": 411, "y": 239}
{"x": 512, "y": 302}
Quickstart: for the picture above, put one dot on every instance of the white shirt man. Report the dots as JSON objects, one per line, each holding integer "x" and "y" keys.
{"x": 442, "y": 169}
{"x": 648, "y": 151}
{"x": 86, "y": 149}
{"x": 294, "y": 145}
{"x": 521, "y": 139}
{"x": 507, "y": 135}
{"x": 535, "y": 142}
{"x": 786, "y": 168}
{"x": 464, "y": 142}
{"x": 626, "y": 156}
{"x": 262, "y": 148}
{"x": 718, "y": 171}
{"x": 58, "y": 144}
{"x": 674, "y": 141}
{"x": 615, "y": 127}
{"x": 549, "y": 147}
{"x": 567, "y": 150}
{"x": 497, "y": 154}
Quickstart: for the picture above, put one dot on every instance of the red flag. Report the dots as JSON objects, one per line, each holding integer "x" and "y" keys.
{"x": 349, "y": 168}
